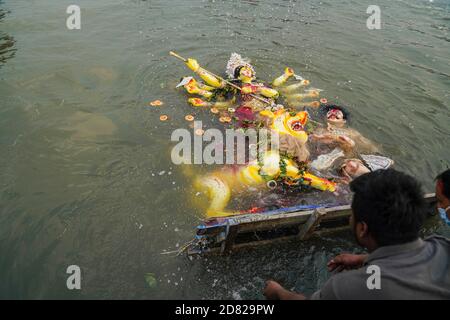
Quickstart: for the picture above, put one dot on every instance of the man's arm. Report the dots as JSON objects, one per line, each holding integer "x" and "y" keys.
{"x": 274, "y": 291}
{"x": 346, "y": 261}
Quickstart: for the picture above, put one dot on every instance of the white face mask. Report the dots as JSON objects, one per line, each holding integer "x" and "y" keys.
{"x": 443, "y": 214}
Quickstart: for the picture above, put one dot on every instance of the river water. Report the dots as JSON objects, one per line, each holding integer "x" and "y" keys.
{"x": 85, "y": 171}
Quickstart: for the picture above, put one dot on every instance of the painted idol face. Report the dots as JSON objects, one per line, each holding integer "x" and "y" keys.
{"x": 246, "y": 74}
{"x": 354, "y": 168}
{"x": 336, "y": 117}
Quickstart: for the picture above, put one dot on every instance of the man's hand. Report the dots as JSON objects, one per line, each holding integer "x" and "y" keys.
{"x": 346, "y": 261}
{"x": 272, "y": 290}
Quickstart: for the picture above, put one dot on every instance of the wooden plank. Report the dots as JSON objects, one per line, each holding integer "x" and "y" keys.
{"x": 258, "y": 222}
{"x": 314, "y": 220}
{"x": 307, "y": 222}
{"x": 254, "y": 244}
{"x": 327, "y": 231}
{"x": 228, "y": 244}
{"x": 293, "y": 218}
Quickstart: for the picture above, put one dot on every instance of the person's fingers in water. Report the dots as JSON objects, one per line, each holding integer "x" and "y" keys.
{"x": 333, "y": 266}
{"x": 339, "y": 269}
{"x": 271, "y": 290}
{"x": 336, "y": 262}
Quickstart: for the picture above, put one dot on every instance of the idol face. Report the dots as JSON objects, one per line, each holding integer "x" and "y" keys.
{"x": 354, "y": 169}
{"x": 246, "y": 74}
{"x": 296, "y": 125}
{"x": 336, "y": 117}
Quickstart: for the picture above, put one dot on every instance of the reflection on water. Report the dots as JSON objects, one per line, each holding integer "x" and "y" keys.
{"x": 86, "y": 126}
{"x": 7, "y": 49}
{"x": 85, "y": 171}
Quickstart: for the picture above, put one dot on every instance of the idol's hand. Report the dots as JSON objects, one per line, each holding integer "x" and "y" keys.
{"x": 247, "y": 90}
{"x": 193, "y": 64}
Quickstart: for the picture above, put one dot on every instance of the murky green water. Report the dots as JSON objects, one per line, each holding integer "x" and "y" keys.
{"x": 85, "y": 172}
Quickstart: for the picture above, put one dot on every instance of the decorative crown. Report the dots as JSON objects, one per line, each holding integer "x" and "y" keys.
{"x": 236, "y": 61}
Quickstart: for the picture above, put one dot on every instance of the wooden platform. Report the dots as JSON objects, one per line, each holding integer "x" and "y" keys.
{"x": 223, "y": 235}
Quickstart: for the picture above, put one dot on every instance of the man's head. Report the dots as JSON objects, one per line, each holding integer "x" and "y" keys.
{"x": 388, "y": 208}
{"x": 443, "y": 195}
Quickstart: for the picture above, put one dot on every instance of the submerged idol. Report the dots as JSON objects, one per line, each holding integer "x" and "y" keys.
{"x": 307, "y": 149}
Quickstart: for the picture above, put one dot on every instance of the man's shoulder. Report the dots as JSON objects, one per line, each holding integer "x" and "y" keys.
{"x": 438, "y": 239}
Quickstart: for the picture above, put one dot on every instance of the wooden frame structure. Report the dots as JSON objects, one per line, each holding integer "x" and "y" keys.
{"x": 223, "y": 235}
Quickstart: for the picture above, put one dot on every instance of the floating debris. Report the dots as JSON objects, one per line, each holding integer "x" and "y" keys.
{"x": 163, "y": 117}
{"x": 189, "y": 117}
{"x": 272, "y": 184}
{"x": 225, "y": 119}
{"x": 156, "y": 103}
{"x": 199, "y": 132}
{"x": 151, "y": 280}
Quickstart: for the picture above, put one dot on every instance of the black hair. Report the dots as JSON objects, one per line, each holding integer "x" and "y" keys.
{"x": 325, "y": 108}
{"x": 237, "y": 72}
{"x": 444, "y": 177}
{"x": 392, "y": 205}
